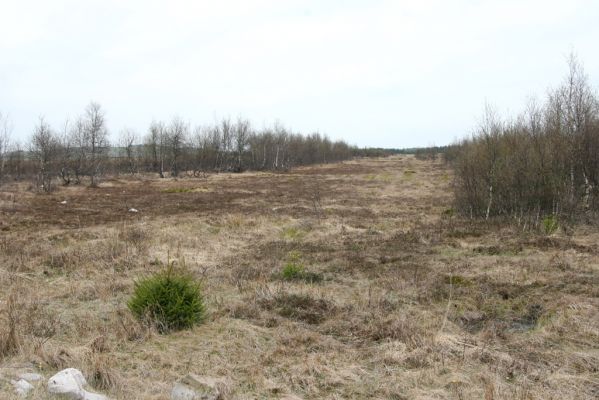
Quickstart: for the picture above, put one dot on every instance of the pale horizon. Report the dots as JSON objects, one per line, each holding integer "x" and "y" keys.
{"x": 376, "y": 73}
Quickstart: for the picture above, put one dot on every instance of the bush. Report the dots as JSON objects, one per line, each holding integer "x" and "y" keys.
{"x": 170, "y": 300}
{"x": 550, "y": 224}
{"x": 296, "y": 272}
{"x": 292, "y": 271}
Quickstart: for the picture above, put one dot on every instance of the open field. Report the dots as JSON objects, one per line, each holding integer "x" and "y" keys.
{"x": 398, "y": 298}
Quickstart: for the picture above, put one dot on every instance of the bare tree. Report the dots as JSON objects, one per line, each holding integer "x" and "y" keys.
{"x": 44, "y": 148}
{"x": 96, "y": 140}
{"x": 177, "y": 136}
{"x": 280, "y": 143}
{"x": 66, "y": 154}
{"x": 226, "y": 135}
{"x": 78, "y": 149}
{"x": 155, "y": 146}
{"x": 5, "y": 130}
{"x": 15, "y": 161}
{"x": 128, "y": 139}
{"x": 242, "y": 132}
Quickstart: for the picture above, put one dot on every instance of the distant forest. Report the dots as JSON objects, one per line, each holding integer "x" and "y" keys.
{"x": 80, "y": 150}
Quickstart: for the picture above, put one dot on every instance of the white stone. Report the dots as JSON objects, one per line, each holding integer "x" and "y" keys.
{"x": 93, "y": 396}
{"x": 182, "y": 392}
{"x": 63, "y": 202}
{"x": 70, "y": 382}
{"x": 31, "y": 376}
{"x": 133, "y": 210}
{"x": 22, "y": 387}
{"x": 194, "y": 387}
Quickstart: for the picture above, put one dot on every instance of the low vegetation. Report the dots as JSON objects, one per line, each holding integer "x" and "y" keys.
{"x": 380, "y": 288}
{"x": 169, "y": 300}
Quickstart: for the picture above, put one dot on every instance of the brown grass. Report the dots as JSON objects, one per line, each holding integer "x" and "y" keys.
{"x": 414, "y": 302}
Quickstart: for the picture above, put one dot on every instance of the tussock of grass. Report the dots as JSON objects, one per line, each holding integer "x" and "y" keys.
{"x": 550, "y": 224}
{"x": 10, "y": 334}
{"x": 293, "y": 233}
{"x": 296, "y": 272}
{"x": 298, "y": 306}
{"x": 177, "y": 190}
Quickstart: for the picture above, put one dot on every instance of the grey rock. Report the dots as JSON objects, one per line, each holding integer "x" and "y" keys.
{"x": 22, "y": 387}
{"x": 31, "y": 376}
{"x": 194, "y": 387}
{"x": 70, "y": 383}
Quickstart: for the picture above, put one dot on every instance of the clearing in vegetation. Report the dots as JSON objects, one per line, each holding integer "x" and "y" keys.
{"x": 349, "y": 280}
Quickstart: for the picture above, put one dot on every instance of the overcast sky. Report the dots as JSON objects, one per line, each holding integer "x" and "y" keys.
{"x": 376, "y": 73}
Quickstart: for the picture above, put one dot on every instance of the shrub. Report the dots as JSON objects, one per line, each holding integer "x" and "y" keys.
{"x": 10, "y": 337}
{"x": 169, "y": 300}
{"x": 299, "y": 306}
{"x": 550, "y": 224}
{"x": 292, "y": 271}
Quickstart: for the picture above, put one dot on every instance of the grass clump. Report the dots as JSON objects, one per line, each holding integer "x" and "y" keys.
{"x": 448, "y": 213}
{"x": 457, "y": 280}
{"x": 550, "y": 224}
{"x": 294, "y": 270}
{"x": 10, "y": 337}
{"x": 293, "y": 233}
{"x": 177, "y": 190}
{"x": 170, "y": 300}
{"x": 299, "y": 307}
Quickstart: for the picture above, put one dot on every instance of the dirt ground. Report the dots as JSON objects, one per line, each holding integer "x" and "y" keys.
{"x": 399, "y": 298}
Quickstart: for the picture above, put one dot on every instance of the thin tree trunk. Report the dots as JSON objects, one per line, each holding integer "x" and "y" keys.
{"x": 490, "y": 201}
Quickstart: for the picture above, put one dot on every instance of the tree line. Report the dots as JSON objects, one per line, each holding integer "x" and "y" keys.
{"x": 81, "y": 151}
{"x": 543, "y": 162}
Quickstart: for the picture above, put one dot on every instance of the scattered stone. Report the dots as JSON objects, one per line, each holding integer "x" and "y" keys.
{"x": 183, "y": 392}
{"x": 22, "y": 387}
{"x": 31, "y": 376}
{"x": 194, "y": 387}
{"x": 63, "y": 202}
{"x": 70, "y": 382}
{"x": 133, "y": 210}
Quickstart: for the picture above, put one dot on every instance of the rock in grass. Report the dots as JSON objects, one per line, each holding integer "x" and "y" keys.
{"x": 22, "y": 387}
{"x": 69, "y": 383}
{"x": 183, "y": 392}
{"x": 194, "y": 387}
{"x": 31, "y": 376}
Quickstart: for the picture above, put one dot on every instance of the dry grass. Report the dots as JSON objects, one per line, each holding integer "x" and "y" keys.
{"x": 411, "y": 301}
